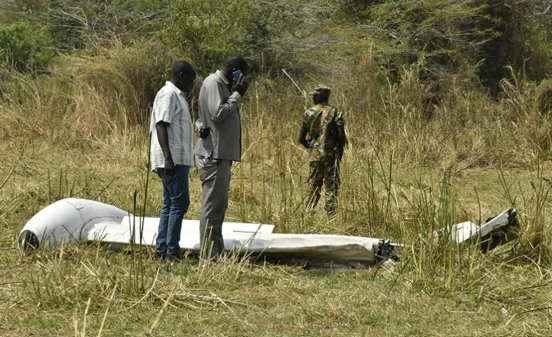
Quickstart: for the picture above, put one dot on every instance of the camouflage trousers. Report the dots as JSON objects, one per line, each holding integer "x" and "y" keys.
{"x": 323, "y": 174}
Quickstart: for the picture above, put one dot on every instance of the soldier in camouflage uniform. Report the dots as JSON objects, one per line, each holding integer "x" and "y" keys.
{"x": 323, "y": 135}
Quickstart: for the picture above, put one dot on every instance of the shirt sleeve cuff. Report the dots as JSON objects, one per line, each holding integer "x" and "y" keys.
{"x": 164, "y": 120}
{"x": 236, "y": 97}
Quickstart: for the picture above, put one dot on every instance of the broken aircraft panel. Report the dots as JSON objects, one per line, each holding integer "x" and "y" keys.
{"x": 75, "y": 220}
{"x": 494, "y": 232}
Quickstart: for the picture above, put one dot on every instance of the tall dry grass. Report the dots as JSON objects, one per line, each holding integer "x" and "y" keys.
{"x": 87, "y": 99}
{"x": 92, "y": 99}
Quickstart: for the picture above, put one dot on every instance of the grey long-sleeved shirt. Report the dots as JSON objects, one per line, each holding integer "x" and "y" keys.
{"x": 218, "y": 110}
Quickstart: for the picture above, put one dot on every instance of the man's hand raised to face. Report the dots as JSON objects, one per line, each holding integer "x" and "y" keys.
{"x": 240, "y": 85}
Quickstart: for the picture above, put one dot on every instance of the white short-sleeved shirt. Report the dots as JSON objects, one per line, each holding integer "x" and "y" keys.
{"x": 171, "y": 107}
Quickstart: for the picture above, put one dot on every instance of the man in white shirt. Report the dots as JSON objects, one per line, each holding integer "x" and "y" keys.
{"x": 172, "y": 155}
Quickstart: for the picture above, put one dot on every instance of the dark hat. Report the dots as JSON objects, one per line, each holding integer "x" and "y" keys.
{"x": 321, "y": 89}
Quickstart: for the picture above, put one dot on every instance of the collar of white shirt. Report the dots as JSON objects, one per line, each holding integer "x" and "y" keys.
{"x": 174, "y": 87}
{"x": 222, "y": 77}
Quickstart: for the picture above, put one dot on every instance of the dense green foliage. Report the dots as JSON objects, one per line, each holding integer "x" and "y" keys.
{"x": 23, "y": 48}
{"x": 465, "y": 38}
{"x": 469, "y": 43}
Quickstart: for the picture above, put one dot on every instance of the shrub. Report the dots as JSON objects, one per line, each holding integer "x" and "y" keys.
{"x": 25, "y": 49}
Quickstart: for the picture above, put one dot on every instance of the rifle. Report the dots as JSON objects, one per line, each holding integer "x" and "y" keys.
{"x": 337, "y": 152}
{"x": 335, "y": 175}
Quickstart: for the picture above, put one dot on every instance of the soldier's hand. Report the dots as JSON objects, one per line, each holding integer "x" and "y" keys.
{"x": 240, "y": 85}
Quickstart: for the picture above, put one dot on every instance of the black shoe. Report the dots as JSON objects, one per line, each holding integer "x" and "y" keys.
{"x": 174, "y": 259}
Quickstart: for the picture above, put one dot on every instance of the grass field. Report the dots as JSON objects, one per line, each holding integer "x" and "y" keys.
{"x": 59, "y": 293}
{"x": 403, "y": 176}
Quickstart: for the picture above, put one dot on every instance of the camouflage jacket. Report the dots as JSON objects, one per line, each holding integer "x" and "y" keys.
{"x": 320, "y": 122}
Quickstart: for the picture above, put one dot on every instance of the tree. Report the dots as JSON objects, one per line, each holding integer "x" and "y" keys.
{"x": 521, "y": 39}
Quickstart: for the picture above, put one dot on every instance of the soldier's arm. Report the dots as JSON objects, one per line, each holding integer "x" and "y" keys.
{"x": 303, "y": 138}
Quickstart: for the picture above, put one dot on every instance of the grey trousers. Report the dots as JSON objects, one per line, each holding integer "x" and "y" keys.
{"x": 215, "y": 181}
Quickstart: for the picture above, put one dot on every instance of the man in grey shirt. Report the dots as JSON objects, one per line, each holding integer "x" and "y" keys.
{"x": 219, "y": 129}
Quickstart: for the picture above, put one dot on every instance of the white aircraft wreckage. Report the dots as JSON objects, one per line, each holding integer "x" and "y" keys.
{"x": 79, "y": 220}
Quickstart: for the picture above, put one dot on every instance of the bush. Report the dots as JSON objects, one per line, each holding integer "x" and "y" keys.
{"x": 209, "y": 30}
{"x": 473, "y": 41}
{"x": 271, "y": 35}
{"x": 25, "y": 49}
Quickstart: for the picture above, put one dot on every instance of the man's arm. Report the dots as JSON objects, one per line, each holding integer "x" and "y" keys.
{"x": 163, "y": 138}
{"x": 163, "y": 115}
{"x": 303, "y": 138}
{"x": 303, "y": 132}
{"x": 219, "y": 109}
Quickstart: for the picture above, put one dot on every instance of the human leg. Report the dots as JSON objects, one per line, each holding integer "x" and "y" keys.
{"x": 161, "y": 240}
{"x": 215, "y": 179}
{"x": 332, "y": 182}
{"x": 316, "y": 179}
{"x": 178, "y": 188}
